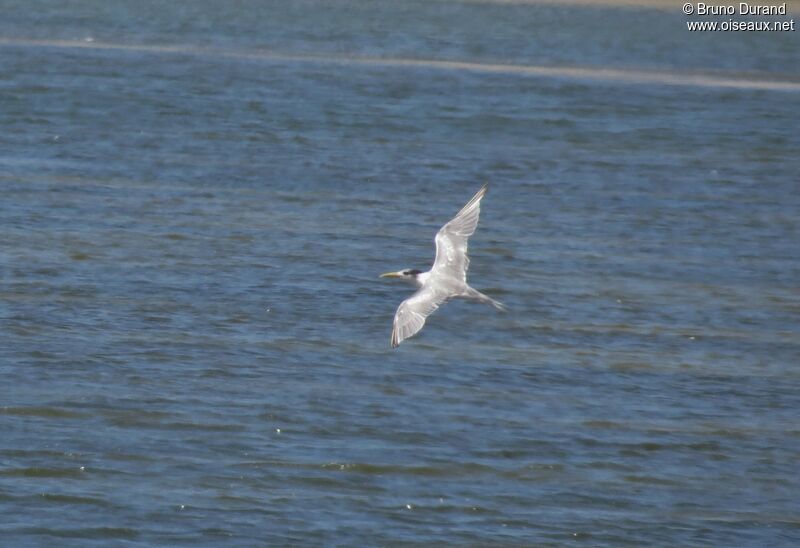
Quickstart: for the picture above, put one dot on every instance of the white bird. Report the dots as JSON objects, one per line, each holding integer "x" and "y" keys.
{"x": 446, "y": 279}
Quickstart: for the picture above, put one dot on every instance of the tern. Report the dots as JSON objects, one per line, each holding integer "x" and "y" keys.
{"x": 447, "y": 278}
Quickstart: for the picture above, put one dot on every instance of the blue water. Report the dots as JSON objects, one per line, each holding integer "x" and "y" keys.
{"x": 197, "y": 201}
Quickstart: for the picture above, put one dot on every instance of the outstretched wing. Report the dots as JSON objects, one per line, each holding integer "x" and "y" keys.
{"x": 451, "y": 240}
{"x": 412, "y": 313}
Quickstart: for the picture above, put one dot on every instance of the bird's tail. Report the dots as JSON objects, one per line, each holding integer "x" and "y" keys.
{"x": 497, "y": 304}
{"x": 476, "y": 295}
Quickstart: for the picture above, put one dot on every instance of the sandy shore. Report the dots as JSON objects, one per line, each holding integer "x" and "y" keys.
{"x": 792, "y": 6}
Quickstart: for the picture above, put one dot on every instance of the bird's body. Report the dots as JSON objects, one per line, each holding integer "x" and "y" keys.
{"x": 447, "y": 278}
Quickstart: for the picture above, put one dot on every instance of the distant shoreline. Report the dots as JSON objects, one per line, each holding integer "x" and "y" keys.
{"x": 693, "y": 78}
{"x": 670, "y": 5}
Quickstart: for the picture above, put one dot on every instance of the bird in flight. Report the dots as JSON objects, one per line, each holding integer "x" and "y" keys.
{"x": 447, "y": 278}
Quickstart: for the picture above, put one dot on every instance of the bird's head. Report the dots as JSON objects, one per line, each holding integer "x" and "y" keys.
{"x": 408, "y": 275}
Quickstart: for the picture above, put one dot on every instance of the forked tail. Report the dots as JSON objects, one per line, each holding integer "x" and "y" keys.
{"x": 476, "y": 295}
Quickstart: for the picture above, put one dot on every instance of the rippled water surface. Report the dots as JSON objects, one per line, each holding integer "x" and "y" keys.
{"x": 197, "y": 199}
